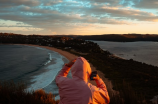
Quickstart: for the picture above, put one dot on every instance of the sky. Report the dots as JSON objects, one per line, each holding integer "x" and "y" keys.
{"x": 79, "y": 17}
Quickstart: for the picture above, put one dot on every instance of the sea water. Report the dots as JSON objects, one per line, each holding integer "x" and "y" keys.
{"x": 35, "y": 66}
{"x": 146, "y": 52}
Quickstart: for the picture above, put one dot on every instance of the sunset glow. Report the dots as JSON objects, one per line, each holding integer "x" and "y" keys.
{"x": 79, "y": 17}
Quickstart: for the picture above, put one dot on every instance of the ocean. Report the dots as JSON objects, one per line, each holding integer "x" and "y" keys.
{"x": 35, "y": 66}
{"x": 146, "y": 52}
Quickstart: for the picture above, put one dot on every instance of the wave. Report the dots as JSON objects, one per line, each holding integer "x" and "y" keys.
{"x": 50, "y": 56}
{"x": 44, "y": 79}
{"x": 50, "y": 59}
{"x": 41, "y": 48}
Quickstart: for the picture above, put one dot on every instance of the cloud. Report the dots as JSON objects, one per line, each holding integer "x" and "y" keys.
{"x": 107, "y": 2}
{"x": 57, "y": 15}
{"x": 13, "y": 26}
{"x": 11, "y": 3}
{"x": 50, "y": 2}
{"x": 75, "y": 12}
{"x": 145, "y": 4}
{"x": 57, "y": 20}
{"x": 126, "y": 13}
{"x": 117, "y": 13}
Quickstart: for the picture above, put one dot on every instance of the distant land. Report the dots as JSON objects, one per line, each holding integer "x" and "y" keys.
{"x": 117, "y": 37}
{"x": 106, "y": 37}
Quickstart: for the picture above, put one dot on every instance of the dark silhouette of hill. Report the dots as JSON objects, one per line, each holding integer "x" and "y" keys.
{"x": 117, "y": 37}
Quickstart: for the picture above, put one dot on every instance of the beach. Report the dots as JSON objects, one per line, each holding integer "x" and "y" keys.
{"x": 32, "y": 59}
{"x": 44, "y": 77}
{"x": 70, "y": 57}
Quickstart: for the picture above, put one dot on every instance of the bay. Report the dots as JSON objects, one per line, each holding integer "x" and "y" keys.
{"x": 146, "y": 52}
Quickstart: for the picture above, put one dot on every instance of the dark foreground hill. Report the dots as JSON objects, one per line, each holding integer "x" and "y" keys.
{"x": 136, "y": 81}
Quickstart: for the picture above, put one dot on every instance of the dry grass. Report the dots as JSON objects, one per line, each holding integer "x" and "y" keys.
{"x": 11, "y": 93}
{"x": 126, "y": 96}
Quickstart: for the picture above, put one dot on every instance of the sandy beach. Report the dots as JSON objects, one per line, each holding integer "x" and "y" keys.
{"x": 70, "y": 56}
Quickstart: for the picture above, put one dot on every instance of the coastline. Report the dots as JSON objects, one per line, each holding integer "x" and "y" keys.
{"x": 71, "y": 56}
{"x": 138, "y": 51}
{"x": 115, "y": 69}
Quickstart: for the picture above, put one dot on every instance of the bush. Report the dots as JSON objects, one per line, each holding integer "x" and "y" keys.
{"x": 126, "y": 95}
{"x": 11, "y": 93}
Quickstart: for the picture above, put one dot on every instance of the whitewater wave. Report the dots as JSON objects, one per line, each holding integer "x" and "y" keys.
{"x": 44, "y": 79}
{"x": 50, "y": 59}
{"x": 40, "y": 48}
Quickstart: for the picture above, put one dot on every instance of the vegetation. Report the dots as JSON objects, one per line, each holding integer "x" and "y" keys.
{"x": 122, "y": 38}
{"x": 118, "y": 37}
{"x": 135, "y": 81}
{"x": 11, "y": 93}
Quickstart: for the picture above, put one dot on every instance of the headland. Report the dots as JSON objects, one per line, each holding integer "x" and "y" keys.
{"x": 134, "y": 79}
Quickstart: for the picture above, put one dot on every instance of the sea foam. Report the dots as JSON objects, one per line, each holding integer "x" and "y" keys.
{"x": 44, "y": 79}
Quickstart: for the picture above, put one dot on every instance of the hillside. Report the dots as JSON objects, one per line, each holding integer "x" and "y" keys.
{"x": 140, "y": 78}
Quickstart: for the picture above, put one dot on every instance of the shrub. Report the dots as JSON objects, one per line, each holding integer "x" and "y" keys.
{"x": 11, "y": 93}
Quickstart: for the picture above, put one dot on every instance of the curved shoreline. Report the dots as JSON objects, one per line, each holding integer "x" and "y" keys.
{"x": 70, "y": 56}
{"x": 145, "y": 78}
